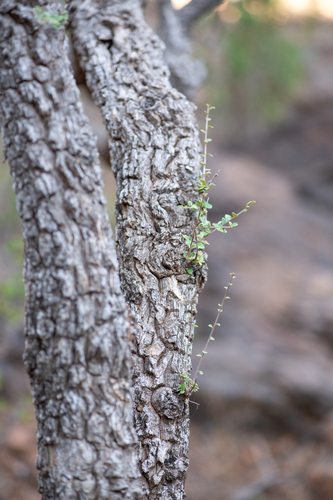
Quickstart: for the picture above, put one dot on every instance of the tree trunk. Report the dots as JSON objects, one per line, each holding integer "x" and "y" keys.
{"x": 154, "y": 149}
{"x": 77, "y": 329}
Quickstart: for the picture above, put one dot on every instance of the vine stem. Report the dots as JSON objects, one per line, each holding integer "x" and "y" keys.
{"x": 195, "y": 232}
{"x": 189, "y": 338}
{"x": 204, "y": 194}
{"x": 190, "y": 390}
{"x": 197, "y": 224}
{"x": 206, "y": 141}
{"x": 237, "y": 215}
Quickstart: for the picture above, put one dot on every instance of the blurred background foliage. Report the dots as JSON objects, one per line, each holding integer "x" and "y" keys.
{"x": 254, "y": 65}
{"x": 11, "y": 250}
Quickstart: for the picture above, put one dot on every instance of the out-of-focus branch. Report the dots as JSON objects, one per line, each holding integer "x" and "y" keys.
{"x": 252, "y": 491}
{"x": 187, "y": 73}
{"x": 195, "y": 9}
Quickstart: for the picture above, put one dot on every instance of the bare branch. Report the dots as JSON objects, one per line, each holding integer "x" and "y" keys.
{"x": 187, "y": 73}
{"x": 253, "y": 490}
{"x": 195, "y": 9}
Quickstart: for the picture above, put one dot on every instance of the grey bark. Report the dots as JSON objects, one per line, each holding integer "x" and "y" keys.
{"x": 155, "y": 155}
{"x": 77, "y": 329}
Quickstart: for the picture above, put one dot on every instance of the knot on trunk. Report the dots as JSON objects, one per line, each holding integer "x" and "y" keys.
{"x": 167, "y": 404}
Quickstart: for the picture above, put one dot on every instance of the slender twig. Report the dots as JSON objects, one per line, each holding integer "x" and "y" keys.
{"x": 206, "y": 139}
{"x": 190, "y": 389}
{"x": 253, "y": 490}
{"x": 195, "y": 231}
{"x": 203, "y": 194}
{"x": 234, "y": 217}
{"x": 189, "y": 338}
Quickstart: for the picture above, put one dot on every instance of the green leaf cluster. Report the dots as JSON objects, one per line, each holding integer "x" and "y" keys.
{"x": 203, "y": 227}
{"x": 188, "y": 385}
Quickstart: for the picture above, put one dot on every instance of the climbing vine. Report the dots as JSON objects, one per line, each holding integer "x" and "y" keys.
{"x": 194, "y": 254}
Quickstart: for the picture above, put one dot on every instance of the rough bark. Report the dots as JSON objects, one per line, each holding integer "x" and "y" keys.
{"x": 77, "y": 332}
{"x": 155, "y": 155}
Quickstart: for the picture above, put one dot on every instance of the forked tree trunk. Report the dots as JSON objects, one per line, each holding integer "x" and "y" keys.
{"x": 154, "y": 148}
{"x": 77, "y": 330}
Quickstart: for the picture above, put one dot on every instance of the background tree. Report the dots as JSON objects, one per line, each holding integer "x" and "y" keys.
{"x": 78, "y": 328}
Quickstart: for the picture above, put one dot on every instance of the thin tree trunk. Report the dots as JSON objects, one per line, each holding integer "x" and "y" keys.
{"x": 155, "y": 155}
{"x": 77, "y": 330}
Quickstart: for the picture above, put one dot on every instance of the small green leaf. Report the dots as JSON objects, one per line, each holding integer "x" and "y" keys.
{"x": 212, "y": 338}
{"x": 182, "y": 389}
{"x": 205, "y": 352}
{"x": 200, "y": 372}
{"x": 234, "y": 215}
{"x": 189, "y": 271}
{"x": 199, "y": 355}
{"x": 210, "y": 326}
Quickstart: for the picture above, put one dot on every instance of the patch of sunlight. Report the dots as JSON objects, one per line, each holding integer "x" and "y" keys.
{"x": 298, "y": 7}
